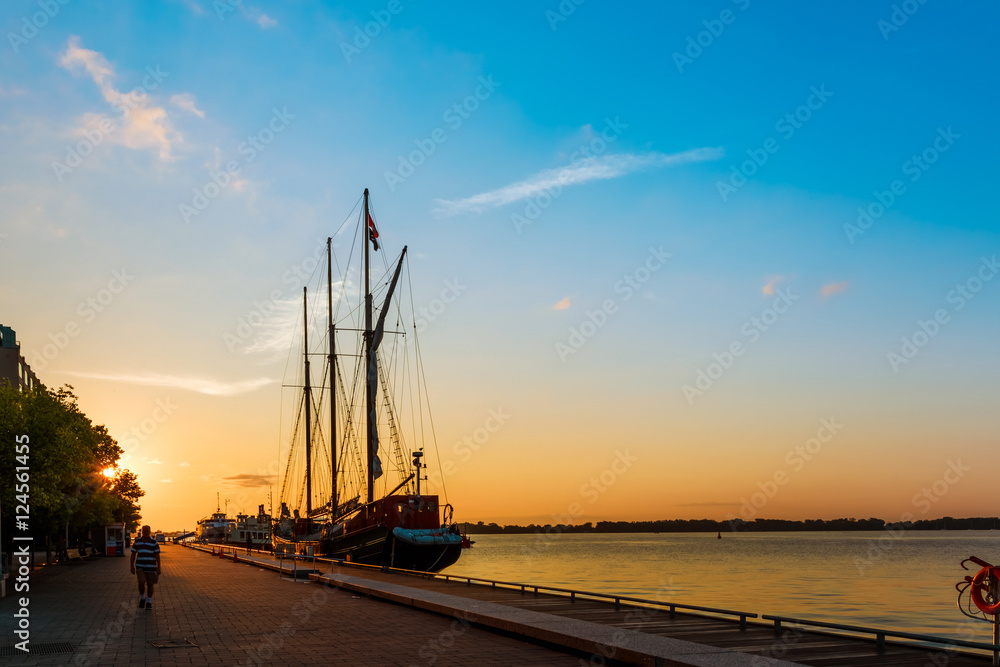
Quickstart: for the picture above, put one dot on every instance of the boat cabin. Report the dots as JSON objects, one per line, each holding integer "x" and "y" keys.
{"x": 411, "y": 512}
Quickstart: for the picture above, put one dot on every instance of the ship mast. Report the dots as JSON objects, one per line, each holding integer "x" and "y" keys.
{"x": 370, "y": 392}
{"x": 333, "y": 375}
{"x": 308, "y": 398}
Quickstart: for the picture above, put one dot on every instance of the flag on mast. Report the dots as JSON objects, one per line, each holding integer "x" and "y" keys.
{"x": 372, "y": 232}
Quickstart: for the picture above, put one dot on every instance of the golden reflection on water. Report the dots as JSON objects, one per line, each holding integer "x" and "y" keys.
{"x": 903, "y": 582}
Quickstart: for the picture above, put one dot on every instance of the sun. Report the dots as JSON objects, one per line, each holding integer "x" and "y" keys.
{"x": 109, "y": 473}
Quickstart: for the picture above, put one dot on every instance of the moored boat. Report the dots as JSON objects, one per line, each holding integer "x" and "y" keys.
{"x": 398, "y": 526}
{"x": 257, "y": 528}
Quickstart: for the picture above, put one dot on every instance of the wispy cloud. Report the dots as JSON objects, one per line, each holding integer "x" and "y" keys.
{"x": 186, "y": 102}
{"x": 200, "y": 385}
{"x": 278, "y": 329}
{"x": 833, "y": 288}
{"x": 141, "y": 125}
{"x": 11, "y": 92}
{"x": 588, "y": 169}
{"x": 562, "y": 305}
{"x": 184, "y": 464}
{"x": 265, "y": 22}
{"x": 772, "y": 282}
{"x": 249, "y": 480}
{"x": 157, "y": 462}
{"x": 168, "y": 480}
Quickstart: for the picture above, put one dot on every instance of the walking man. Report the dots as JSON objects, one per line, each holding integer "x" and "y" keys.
{"x": 146, "y": 566}
{"x": 249, "y": 544}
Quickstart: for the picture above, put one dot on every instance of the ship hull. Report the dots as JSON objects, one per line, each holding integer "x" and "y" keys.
{"x": 377, "y": 545}
{"x": 213, "y": 535}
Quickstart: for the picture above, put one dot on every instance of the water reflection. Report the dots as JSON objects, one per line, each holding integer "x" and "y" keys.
{"x": 904, "y": 583}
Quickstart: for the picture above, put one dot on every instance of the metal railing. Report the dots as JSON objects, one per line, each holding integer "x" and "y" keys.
{"x": 671, "y": 607}
{"x": 880, "y": 635}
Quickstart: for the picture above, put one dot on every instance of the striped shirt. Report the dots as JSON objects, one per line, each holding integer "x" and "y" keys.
{"x": 146, "y": 550}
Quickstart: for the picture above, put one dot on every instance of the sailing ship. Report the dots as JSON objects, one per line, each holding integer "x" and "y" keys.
{"x": 352, "y": 519}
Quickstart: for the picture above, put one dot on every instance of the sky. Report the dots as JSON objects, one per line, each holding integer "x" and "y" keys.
{"x": 716, "y": 260}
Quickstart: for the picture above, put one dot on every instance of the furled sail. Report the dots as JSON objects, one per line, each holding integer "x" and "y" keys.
{"x": 377, "y": 335}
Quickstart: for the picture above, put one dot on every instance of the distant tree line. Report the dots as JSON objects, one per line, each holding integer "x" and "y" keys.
{"x": 757, "y": 525}
{"x": 66, "y": 491}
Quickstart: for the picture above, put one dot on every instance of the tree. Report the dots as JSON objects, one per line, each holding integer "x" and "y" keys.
{"x": 65, "y": 459}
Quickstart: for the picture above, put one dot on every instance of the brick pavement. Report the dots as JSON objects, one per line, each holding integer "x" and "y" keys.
{"x": 239, "y": 614}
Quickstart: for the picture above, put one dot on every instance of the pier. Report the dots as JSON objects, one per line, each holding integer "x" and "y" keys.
{"x": 262, "y": 610}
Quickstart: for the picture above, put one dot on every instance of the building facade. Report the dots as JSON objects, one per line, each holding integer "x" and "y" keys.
{"x": 13, "y": 367}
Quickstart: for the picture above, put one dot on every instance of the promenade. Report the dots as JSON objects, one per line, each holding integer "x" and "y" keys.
{"x": 238, "y": 615}
{"x": 211, "y": 611}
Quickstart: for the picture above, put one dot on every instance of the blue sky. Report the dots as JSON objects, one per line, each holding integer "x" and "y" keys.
{"x": 547, "y": 89}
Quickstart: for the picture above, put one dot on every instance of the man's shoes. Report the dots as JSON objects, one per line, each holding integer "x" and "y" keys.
{"x": 142, "y": 602}
{"x": 149, "y": 605}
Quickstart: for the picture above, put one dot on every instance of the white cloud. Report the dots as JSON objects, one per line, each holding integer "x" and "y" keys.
{"x": 140, "y": 123}
{"x": 186, "y": 102}
{"x": 184, "y": 464}
{"x": 588, "y": 169}
{"x": 168, "y": 480}
{"x": 200, "y": 385}
{"x": 562, "y": 305}
{"x": 157, "y": 462}
{"x": 265, "y": 22}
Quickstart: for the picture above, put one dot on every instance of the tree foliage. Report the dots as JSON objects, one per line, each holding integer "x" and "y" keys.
{"x": 67, "y": 456}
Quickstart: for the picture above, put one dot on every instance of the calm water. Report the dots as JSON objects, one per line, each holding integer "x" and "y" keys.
{"x": 866, "y": 578}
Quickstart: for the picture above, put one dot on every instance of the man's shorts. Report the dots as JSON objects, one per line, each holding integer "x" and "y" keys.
{"x": 146, "y": 575}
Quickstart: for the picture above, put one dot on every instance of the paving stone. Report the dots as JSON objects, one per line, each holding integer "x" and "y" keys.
{"x": 238, "y": 614}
